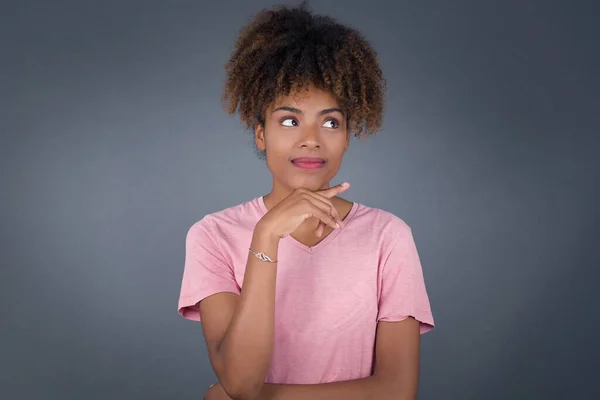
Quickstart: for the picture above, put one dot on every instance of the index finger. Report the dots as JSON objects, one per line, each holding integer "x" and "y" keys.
{"x": 334, "y": 190}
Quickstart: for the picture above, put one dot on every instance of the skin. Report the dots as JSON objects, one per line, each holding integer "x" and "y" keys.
{"x": 243, "y": 325}
{"x": 310, "y": 123}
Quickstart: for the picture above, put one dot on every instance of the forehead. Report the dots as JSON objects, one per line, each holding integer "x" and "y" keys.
{"x": 311, "y": 97}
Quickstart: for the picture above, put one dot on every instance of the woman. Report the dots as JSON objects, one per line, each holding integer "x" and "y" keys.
{"x": 333, "y": 300}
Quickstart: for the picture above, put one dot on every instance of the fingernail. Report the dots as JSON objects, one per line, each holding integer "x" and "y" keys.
{"x": 345, "y": 184}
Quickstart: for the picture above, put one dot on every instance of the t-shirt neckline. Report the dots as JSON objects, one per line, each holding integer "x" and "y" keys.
{"x": 313, "y": 249}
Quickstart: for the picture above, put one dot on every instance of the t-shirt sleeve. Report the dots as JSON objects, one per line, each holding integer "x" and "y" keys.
{"x": 206, "y": 271}
{"x": 403, "y": 292}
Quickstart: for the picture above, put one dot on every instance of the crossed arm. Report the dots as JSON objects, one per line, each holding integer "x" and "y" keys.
{"x": 397, "y": 350}
{"x": 396, "y": 371}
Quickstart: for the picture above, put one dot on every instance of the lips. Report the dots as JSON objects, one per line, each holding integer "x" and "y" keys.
{"x": 308, "y": 162}
{"x": 314, "y": 160}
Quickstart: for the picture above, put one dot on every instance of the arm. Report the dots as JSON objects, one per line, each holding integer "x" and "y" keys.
{"x": 239, "y": 330}
{"x": 396, "y": 371}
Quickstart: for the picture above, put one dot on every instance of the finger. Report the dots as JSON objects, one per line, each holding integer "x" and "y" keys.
{"x": 324, "y": 216}
{"x": 320, "y": 229}
{"x": 334, "y": 190}
{"x": 324, "y": 203}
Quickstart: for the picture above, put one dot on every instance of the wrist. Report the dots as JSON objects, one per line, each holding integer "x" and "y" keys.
{"x": 264, "y": 234}
{"x": 264, "y": 241}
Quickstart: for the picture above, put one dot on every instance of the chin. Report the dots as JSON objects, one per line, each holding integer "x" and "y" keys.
{"x": 309, "y": 184}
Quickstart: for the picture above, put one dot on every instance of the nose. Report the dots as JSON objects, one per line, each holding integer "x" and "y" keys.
{"x": 311, "y": 138}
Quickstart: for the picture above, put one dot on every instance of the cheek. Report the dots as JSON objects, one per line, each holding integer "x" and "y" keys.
{"x": 276, "y": 156}
{"x": 337, "y": 146}
{"x": 278, "y": 147}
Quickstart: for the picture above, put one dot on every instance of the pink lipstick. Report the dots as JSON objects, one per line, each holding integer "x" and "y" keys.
{"x": 309, "y": 163}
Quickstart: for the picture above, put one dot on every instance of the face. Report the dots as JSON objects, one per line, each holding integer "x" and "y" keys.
{"x": 305, "y": 137}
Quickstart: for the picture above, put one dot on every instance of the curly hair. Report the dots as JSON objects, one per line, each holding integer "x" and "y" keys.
{"x": 283, "y": 50}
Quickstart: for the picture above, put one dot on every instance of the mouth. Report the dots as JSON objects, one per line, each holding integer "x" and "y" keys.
{"x": 308, "y": 163}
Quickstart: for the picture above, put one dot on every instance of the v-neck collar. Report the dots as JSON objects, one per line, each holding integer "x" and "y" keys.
{"x": 313, "y": 249}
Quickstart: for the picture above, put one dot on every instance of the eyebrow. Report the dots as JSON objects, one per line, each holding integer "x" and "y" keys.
{"x": 298, "y": 111}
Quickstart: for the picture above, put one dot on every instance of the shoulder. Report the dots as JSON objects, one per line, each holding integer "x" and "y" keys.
{"x": 240, "y": 216}
{"x": 385, "y": 222}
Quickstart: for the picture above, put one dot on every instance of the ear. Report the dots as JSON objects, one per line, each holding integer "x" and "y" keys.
{"x": 259, "y": 137}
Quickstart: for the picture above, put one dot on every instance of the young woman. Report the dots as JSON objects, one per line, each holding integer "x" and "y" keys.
{"x": 304, "y": 294}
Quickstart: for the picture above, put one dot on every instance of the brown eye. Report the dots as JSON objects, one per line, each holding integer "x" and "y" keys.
{"x": 336, "y": 124}
{"x": 289, "y": 119}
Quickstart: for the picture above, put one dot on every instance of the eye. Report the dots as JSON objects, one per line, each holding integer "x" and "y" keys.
{"x": 335, "y": 123}
{"x": 289, "y": 119}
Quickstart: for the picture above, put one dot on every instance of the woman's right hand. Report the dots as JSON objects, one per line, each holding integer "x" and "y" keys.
{"x": 301, "y": 204}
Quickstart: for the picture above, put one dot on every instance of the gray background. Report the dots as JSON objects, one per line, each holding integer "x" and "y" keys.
{"x": 114, "y": 143}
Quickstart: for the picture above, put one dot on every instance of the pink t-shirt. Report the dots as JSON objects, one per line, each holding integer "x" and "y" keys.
{"x": 329, "y": 297}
